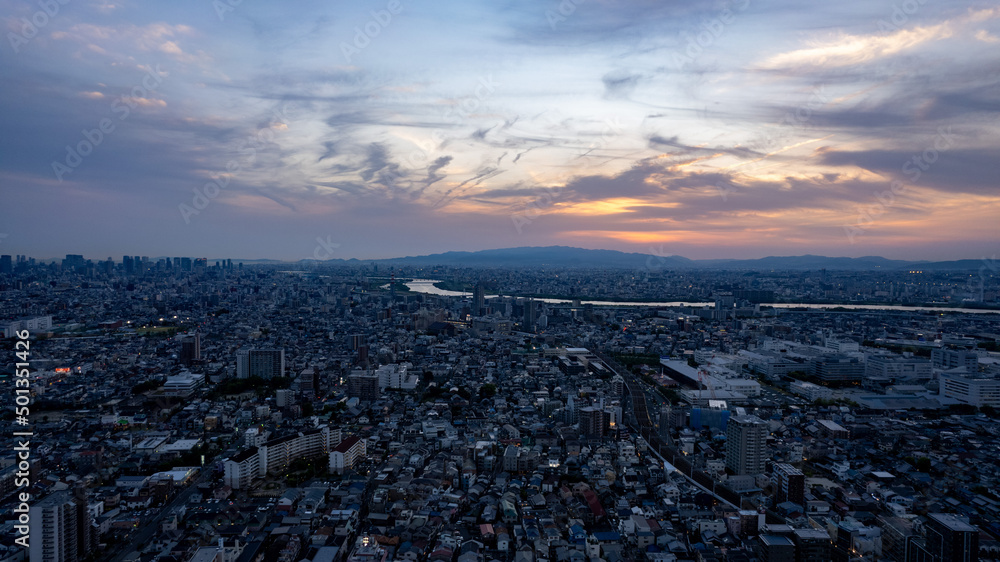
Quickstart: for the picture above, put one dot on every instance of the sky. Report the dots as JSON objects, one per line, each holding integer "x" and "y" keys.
{"x": 376, "y": 129}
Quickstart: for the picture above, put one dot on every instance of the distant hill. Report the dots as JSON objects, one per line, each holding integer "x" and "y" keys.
{"x": 809, "y": 262}
{"x": 569, "y": 257}
{"x": 549, "y": 256}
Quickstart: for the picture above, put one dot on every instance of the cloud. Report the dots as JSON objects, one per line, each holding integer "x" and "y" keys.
{"x": 620, "y": 84}
{"x": 845, "y": 49}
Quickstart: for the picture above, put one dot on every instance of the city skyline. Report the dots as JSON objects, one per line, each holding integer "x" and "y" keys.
{"x": 388, "y": 129}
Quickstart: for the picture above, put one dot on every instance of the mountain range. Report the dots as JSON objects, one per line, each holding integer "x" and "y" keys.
{"x": 569, "y": 257}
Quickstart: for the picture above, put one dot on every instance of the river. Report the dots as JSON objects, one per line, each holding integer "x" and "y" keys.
{"x": 426, "y": 286}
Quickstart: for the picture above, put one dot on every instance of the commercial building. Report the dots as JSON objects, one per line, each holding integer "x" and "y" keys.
{"x": 898, "y": 368}
{"x": 837, "y": 369}
{"x": 183, "y": 384}
{"x": 33, "y": 325}
{"x": 952, "y": 358}
{"x": 810, "y": 391}
{"x": 976, "y": 390}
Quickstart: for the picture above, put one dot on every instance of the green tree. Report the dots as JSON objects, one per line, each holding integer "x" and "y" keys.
{"x": 488, "y": 390}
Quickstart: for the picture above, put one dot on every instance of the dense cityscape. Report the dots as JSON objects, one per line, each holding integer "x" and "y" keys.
{"x": 194, "y": 410}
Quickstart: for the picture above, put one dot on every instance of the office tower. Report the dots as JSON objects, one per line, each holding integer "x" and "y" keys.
{"x": 186, "y": 264}
{"x": 789, "y": 484}
{"x": 263, "y": 363}
{"x": 60, "y": 528}
{"x": 746, "y": 445}
{"x": 73, "y": 261}
{"x": 530, "y": 312}
{"x": 190, "y": 348}
{"x": 479, "y": 300}
{"x": 950, "y": 538}
{"x": 6, "y": 265}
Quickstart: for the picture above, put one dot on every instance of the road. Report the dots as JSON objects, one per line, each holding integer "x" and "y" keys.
{"x": 147, "y": 531}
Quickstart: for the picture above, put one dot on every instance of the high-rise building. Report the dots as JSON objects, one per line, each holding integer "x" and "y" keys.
{"x": 478, "y": 300}
{"x": 746, "y": 445}
{"x": 73, "y": 261}
{"x": 950, "y": 538}
{"x": 6, "y": 265}
{"x": 363, "y": 386}
{"x": 594, "y": 422}
{"x": 190, "y": 348}
{"x": 724, "y": 306}
{"x": 530, "y": 314}
{"x": 789, "y": 484}
{"x": 618, "y": 385}
{"x": 897, "y": 539}
{"x": 355, "y": 341}
{"x": 59, "y": 528}
{"x": 263, "y": 363}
